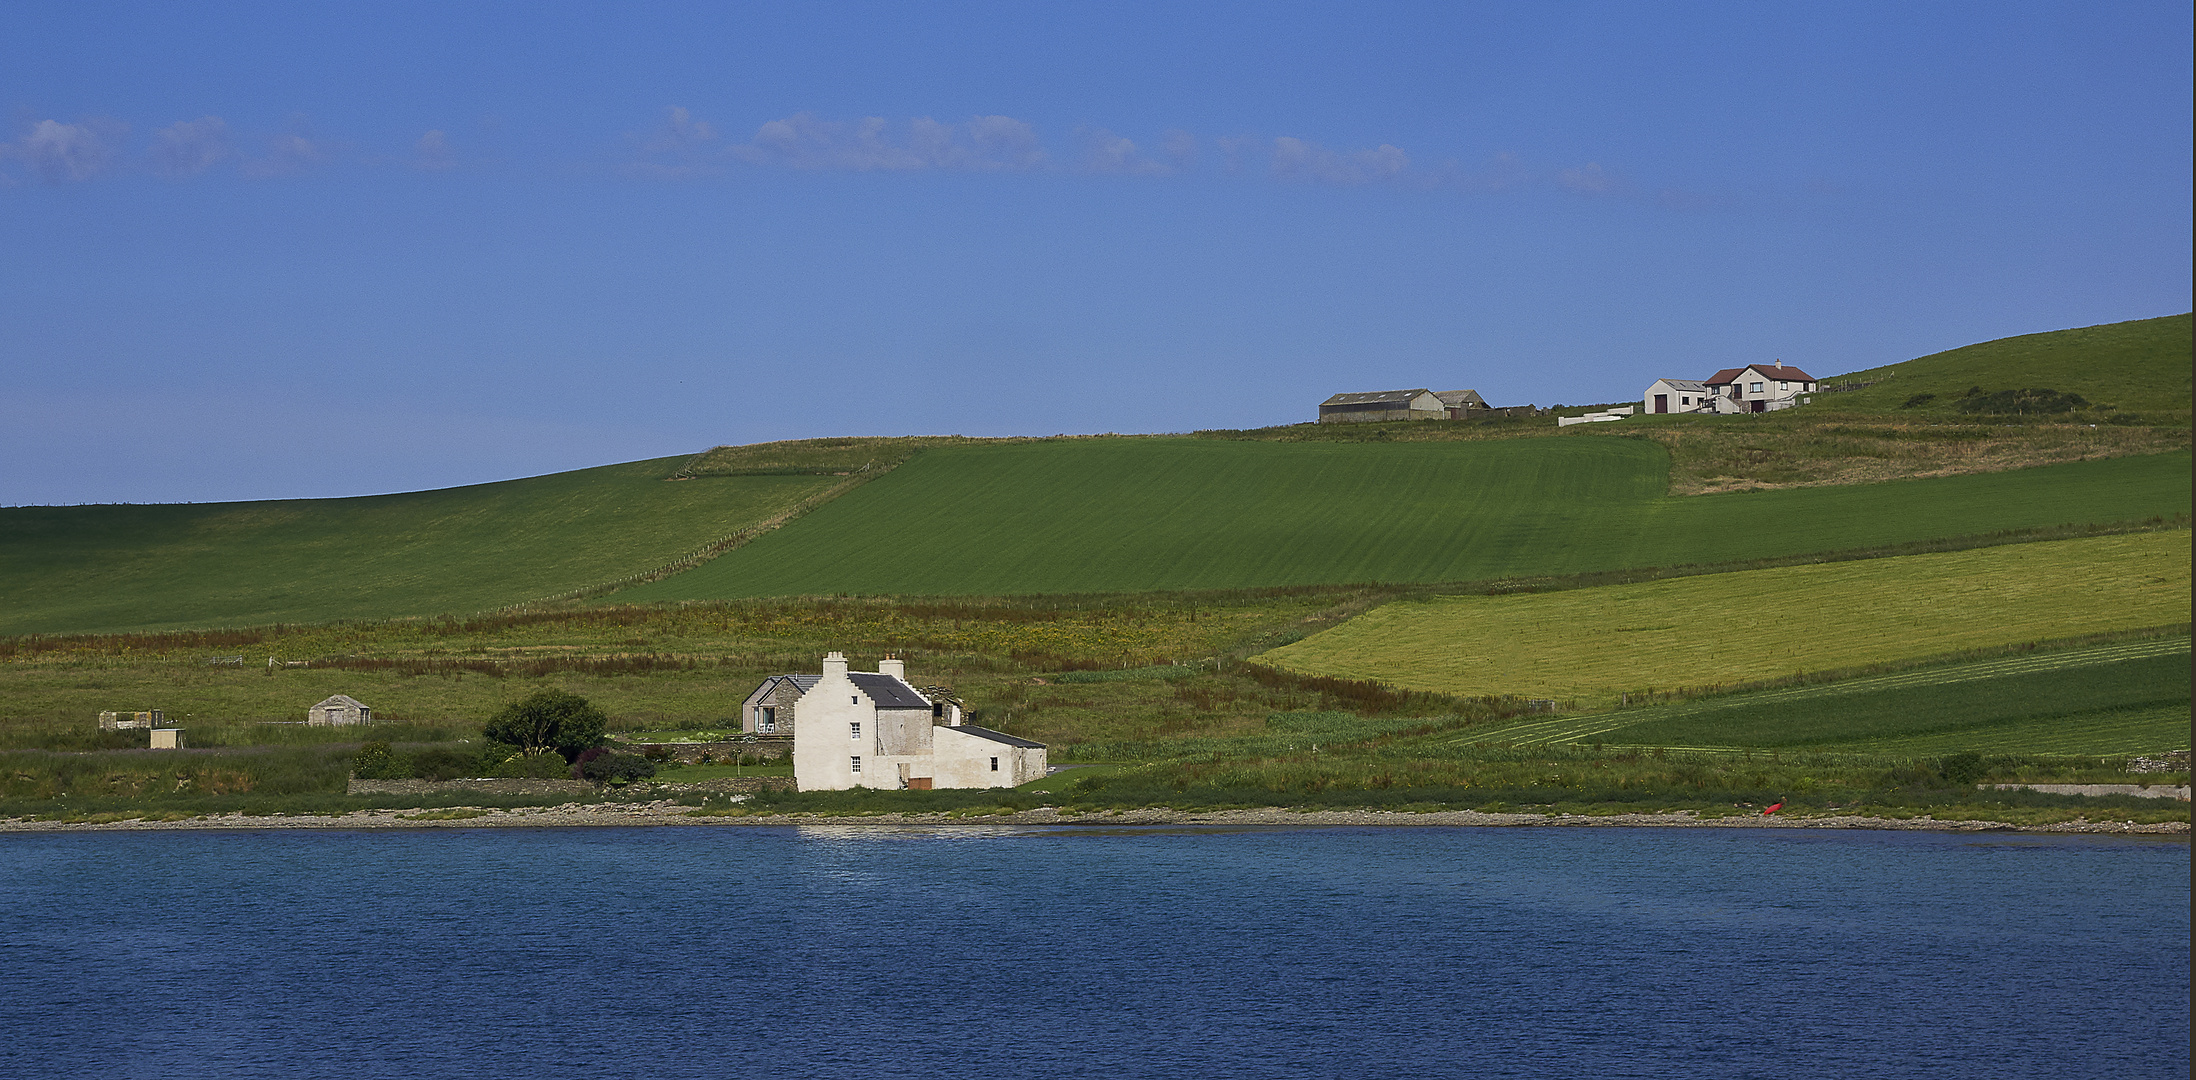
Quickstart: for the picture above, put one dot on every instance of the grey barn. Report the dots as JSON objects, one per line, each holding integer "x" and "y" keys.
{"x": 1420, "y": 404}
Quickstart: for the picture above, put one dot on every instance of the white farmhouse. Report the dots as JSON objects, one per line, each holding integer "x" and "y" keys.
{"x": 871, "y": 729}
{"x": 1759, "y": 388}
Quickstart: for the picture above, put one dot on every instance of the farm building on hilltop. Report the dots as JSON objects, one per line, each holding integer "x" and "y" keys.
{"x": 1759, "y": 388}
{"x": 1750, "y": 389}
{"x": 1400, "y": 405}
{"x": 1675, "y": 395}
{"x": 871, "y": 729}
{"x": 340, "y": 710}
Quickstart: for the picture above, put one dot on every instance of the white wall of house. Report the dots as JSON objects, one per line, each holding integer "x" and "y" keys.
{"x": 963, "y": 760}
{"x": 1685, "y": 398}
{"x": 833, "y": 724}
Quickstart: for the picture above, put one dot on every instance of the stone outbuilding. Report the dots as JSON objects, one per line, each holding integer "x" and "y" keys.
{"x": 340, "y": 710}
{"x": 873, "y": 729}
{"x": 125, "y": 721}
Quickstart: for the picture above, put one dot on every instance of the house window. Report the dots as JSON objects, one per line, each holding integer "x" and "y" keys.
{"x": 766, "y": 719}
{"x": 854, "y": 700}
{"x": 1683, "y": 400}
{"x": 1784, "y": 386}
{"x": 1756, "y": 389}
{"x": 994, "y": 764}
{"x": 856, "y": 729}
{"x": 857, "y": 763}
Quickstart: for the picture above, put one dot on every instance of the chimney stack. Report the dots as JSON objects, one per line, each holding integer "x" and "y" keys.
{"x": 835, "y": 665}
{"x": 893, "y": 666}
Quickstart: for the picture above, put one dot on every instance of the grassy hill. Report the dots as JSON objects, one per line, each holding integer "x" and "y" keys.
{"x": 1158, "y": 514}
{"x": 85, "y": 568}
{"x": 1726, "y": 629}
{"x": 2140, "y": 367}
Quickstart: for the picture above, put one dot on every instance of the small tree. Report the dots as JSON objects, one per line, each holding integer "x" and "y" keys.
{"x": 549, "y": 720}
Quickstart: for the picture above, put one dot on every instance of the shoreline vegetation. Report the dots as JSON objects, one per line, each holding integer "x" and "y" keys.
{"x": 668, "y": 813}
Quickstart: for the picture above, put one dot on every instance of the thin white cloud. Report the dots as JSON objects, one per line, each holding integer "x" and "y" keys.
{"x": 1106, "y": 152}
{"x": 432, "y": 152}
{"x": 874, "y": 144}
{"x": 1590, "y": 180}
{"x": 189, "y": 147}
{"x": 59, "y": 153}
{"x": 1296, "y": 159}
{"x": 291, "y": 153}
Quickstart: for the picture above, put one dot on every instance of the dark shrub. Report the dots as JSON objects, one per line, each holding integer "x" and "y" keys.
{"x": 374, "y": 762}
{"x": 608, "y": 768}
{"x": 448, "y": 762}
{"x": 549, "y": 720}
{"x": 1918, "y": 400}
{"x": 2030, "y": 400}
{"x": 1962, "y": 768}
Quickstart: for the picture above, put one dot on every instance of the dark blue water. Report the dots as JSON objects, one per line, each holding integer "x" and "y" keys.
{"x": 715, "y": 952}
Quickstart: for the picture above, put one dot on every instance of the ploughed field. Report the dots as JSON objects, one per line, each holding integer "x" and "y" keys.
{"x": 1154, "y": 514}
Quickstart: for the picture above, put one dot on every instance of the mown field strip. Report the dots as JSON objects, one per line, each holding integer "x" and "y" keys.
{"x": 1693, "y": 634}
{"x": 1135, "y": 514}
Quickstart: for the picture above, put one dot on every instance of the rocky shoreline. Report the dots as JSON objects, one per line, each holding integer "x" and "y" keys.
{"x": 669, "y": 813}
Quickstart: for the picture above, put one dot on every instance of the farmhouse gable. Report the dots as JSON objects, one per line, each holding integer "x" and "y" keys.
{"x": 340, "y": 710}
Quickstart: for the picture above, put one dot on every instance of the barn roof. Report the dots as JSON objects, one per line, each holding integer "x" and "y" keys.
{"x": 1682, "y": 384}
{"x": 342, "y": 700}
{"x": 1399, "y": 397}
{"x": 997, "y": 736}
{"x": 1454, "y": 398}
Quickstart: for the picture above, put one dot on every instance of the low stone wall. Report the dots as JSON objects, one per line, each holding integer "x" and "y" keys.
{"x": 480, "y": 787}
{"x": 2154, "y": 791}
{"x": 741, "y": 785}
{"x": 764, "y": 748}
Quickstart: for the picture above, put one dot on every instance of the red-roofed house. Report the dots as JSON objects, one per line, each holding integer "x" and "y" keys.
{"x": 1759, "y": 388}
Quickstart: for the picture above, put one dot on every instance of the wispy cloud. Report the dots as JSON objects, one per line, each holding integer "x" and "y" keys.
{"x": 59, "y": 153}
{"x": 874, "y": 144}
{"x": 1589, "y": 180}
{"x": 1296, "y": 159}
{"x": 432, "y": 153}
{"x": 1106, "y": 152}
{"x": 189, "y": 147}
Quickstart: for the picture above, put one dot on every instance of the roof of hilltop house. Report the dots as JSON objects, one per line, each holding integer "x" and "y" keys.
{"x": 1454, "y": 398}
{"x": 1682, "y": 384}
{"x": 1375, "y": 396}
{"x": 1769, "y": 371}
{"x": 886, "y": 691}
{"x": 998, "y": 736}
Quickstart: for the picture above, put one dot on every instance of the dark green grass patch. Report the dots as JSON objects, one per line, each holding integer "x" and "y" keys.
{"x": 2043, "y": 699}
{"x": 84, "y": 568}
{"x": 2139, "y": 367}
{"x": 1157, "y": 514}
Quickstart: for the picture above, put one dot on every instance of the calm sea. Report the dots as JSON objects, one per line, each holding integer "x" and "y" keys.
{"x": 978, "y": 951}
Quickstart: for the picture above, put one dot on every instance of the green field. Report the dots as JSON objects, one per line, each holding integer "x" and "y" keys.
{"x": 1159, "y": 514}
{"x": 1727, "y": 629}
{"x": 94, "y": 568}
{"x": 2138, "y": 367}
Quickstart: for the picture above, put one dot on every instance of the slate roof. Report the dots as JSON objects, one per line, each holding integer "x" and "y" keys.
{"x": 1398, "y": 397}
{"x": 886, "y": 691}
{"x": 344, "y": 700}
{"x": 997, "y": 736}
{"x": 1683, "y": 384}
{"x": 1777, "y": 372}
{"x": 1454, "y": 398}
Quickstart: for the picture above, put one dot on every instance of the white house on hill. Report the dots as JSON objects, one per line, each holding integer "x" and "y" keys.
{"x": 1750, "y": 389}
{"x": 872, "y": 729}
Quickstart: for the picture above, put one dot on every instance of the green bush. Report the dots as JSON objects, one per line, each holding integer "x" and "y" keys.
{"x": 609, "y": 768}
{"x": 549, "y": 719}
{"x": 1962, "y": 768}
{"x": 374, "y": 761}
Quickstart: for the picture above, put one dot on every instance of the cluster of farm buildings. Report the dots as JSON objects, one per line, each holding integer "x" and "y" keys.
{"x": 849, "y": 729}
{"x": 1755, "y": 388}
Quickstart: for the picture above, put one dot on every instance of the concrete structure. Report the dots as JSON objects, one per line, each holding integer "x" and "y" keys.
{"x": 872, "y": 729}
{"x": 1384, "y": 405}
{"x": 125, "y": 721}
{"x": 167, "y": 738}
{"x": 340, "y": 710}
{"x": 1758, "y": 388}
{"x": 1603, "y": 417}
{"x": 1676, "y": 396}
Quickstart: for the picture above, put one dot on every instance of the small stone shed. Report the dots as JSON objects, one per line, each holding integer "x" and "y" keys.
{"x": 339, "y": 711}
{"x": 123, "y": 721}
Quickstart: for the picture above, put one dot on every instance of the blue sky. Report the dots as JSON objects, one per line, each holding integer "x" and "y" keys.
{"x": 292, "y": 250}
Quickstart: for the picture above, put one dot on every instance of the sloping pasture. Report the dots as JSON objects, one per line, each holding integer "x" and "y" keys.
{"x": 100, "y": 568}
{"x": 2126, "y": 697}
{"x": 1149, "y": 514}
{"x": 1719, "y": 630}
